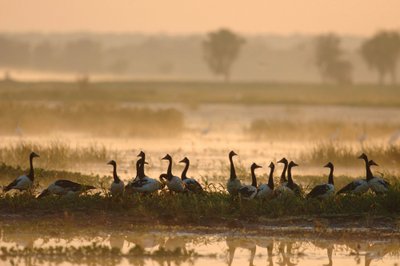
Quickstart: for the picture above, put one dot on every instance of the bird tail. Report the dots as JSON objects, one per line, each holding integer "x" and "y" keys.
{"x": 44, "y": 193}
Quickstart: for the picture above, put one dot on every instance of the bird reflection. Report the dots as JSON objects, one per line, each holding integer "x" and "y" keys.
{"x": 240, "y": 242}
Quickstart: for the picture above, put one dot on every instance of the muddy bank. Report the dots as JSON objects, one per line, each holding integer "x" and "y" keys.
{"x": 337, "y": 227}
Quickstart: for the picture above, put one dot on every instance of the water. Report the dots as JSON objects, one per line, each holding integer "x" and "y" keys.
{"x": 177, "y": 246}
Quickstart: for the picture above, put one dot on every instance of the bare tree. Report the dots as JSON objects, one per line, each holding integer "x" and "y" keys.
{"x": 381, "y": 52}
{"x": 221, "y": 49}
{"x": 331, "y": 65}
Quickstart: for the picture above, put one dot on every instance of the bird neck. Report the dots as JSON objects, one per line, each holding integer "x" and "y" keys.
{"x": 31, "y": 174}
{"x": 283, "y": 175}
{"x": 253, "y": 178}
{"x": 183, "y": 176}
{"x": 271, "y": 179}
{"x": 233, "y": 172}
{"x": 115, "y": 176}
{"x": 169, "y": 170}
{"x": 368, "y": 171}
{"x": 138, "y": 168}
{"x": 330, "y": 178}
{"x": 289, "y": 170}
{"x": 141, "y": 170}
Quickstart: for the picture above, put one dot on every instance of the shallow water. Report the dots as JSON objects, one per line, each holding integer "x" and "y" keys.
{"x": 196, "y": 248}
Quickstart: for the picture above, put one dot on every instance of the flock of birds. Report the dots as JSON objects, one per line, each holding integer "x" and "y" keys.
{"x": 145, "y": 184}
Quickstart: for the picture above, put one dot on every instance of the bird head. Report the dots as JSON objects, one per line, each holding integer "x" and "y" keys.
{"x": 283, "y": 160}
{"x": 184, "y": 160}
{"x": 34, "y": 155}
{"x": 255, "y": 166}
{"x": 167, "y": 157}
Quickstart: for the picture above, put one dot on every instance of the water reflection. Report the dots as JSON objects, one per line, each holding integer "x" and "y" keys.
{"x": 163, "y": 247}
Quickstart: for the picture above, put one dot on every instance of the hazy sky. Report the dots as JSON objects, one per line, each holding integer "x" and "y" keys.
{"x": 184, "y": 16}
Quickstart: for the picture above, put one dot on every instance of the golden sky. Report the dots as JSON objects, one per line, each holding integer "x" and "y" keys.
{"x": 361, "y": 17}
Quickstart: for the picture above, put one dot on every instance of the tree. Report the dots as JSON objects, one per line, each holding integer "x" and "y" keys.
{"x": 381, "y": 52}
{"x": 329, "y": 60}
{"x": 221, "y": 48}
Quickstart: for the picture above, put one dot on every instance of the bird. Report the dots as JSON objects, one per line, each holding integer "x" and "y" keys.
{"x": 288, "y": 187}
{"x": 283, "y": 188}
{"x": 191, "y": 184}
{"x": 233, "y": 185}
{"x": 64, "y": 187}
{"x": 266, "y": 191}
{"x": 250, "y": 191}
{"x": 143, "y": 183}
{"x": 174, "y": 183}
{"x": 117, "y": 187}
{"x": 377, "y": 184}
{"x": 285, "y": 162}
{"x": 24, "y": 182}
{"x": 358, "y": 186}
{"x": 325, "y": 190}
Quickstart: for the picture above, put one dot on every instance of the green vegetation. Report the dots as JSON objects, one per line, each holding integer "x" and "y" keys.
{"x": 99, "y": 119}
{"x": 213, "y": 206}
{"x": 45, "y": 177}
{"x": 55, "y": 154}
{"x": 346, "y": 155}
{"x": 193, "y": 93}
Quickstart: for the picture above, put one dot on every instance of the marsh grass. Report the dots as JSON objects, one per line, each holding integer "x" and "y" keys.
{"x": 203, "y": 92}
{"x": 45, "y": 177}
{"x": 262, "y": 129}
{"x": 94, "y": 118}
{"x": 94, "y": 254}
{"x": 206, "y": 208}
{"x": 347, "y": 155}
{"x": 55, "y": 154}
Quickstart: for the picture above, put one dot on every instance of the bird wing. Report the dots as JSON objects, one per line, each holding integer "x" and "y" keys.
{"x": 67, "y": 184}
{"x": 193, "y": 185}
{"x": 12, "y": 184}
{"x": 318, "y": 191}
{"x": 247, "y": 191}
{"x": 349, "y": 187}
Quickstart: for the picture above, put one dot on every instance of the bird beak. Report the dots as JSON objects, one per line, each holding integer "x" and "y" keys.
{"x": 165, "y": 157}
{"x": 182, "y": 161}
{"x": 295, "y": 164}
{"x": 110, "y": 162}
{"x": 327, "y": 165}
{"x": 281, "y": 160}
{"x": 258, "y": 166}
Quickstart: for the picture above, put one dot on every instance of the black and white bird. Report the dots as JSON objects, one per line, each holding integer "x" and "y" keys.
{"x": 325, "y": 190}
{"x": 358, "y": 186}
{"x": 143, "y": 183}
{"x": 283, "y": 188}
{"x": 191, "y": 184}
{"x": 233, "y": 185}
{"x": 117, "y": 187}
{"x": 250, "y": 191}
{"x": 64, "y": 187}
{"x": 174, "y": 183}
{"x": 376, "y": 184}
{"x": 285, "y": 163}
{"x": 288, "y": 187}
{"x": 291, "y": 184}
{"x": 24, "y": 182}
{"x": 266, "y": 191}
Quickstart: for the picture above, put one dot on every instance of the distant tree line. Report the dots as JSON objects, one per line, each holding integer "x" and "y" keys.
{"x": 381, "y": 52}
{"x": 219, "y": 50}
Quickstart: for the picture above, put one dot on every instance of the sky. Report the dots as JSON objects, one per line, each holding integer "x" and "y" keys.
{"x": 359, "y": 17}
